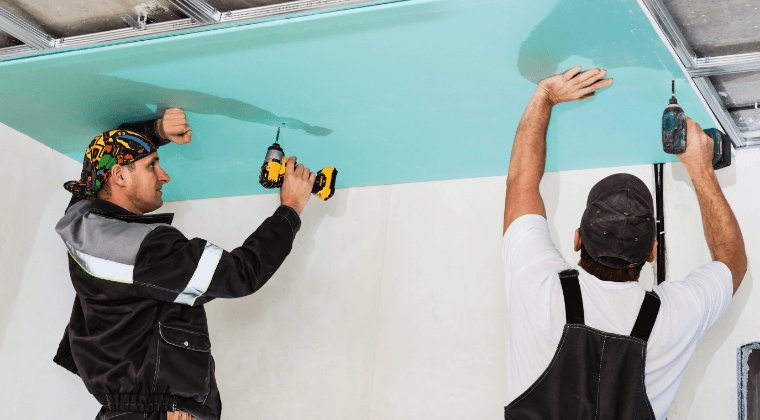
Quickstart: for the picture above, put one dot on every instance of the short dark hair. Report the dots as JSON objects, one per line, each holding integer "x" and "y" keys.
{"x": 104, "y": 192}
{"x": 603, "y": 272}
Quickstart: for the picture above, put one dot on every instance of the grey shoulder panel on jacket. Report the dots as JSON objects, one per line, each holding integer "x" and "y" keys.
{"x": 99, "y": 238}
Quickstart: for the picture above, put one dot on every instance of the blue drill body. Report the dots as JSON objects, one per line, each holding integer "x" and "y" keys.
{"x": 674, "y": 135}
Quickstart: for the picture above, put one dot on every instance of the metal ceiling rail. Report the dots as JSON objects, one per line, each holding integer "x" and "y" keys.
{"x": 696, "y": 66}
{"x": 671, "y": 31}
{"x": 198, "y": 10}
{"x": 25, "y": 32}
{"x": 726, "y": 64}
{"x": 698, "y": 70}
{"x": 708, "y": 91}
{"x": 171, "y": 27}
{"x": 290, "y": 8}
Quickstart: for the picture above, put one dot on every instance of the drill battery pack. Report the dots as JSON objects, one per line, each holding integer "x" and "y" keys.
{"x": 721, "y": 148}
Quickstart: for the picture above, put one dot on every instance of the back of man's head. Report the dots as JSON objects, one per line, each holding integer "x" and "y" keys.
{"x": 108, "y": 150}
{"x": 617, "y": 228}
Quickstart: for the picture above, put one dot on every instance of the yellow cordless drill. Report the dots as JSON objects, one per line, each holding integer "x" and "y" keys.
{"x": 273, "y": 170}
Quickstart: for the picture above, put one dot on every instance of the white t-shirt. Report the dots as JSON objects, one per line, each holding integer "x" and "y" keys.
{"x": 537, "y": 311}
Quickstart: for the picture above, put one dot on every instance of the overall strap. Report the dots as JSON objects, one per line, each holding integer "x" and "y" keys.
{"x": 571, "y": 289}
{"x": 647, "y": 316}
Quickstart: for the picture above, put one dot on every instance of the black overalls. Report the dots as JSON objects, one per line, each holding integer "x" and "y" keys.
{"x": 594, "y": 375}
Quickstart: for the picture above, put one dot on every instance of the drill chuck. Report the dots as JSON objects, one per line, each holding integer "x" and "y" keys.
{"x": 274, "y": 154}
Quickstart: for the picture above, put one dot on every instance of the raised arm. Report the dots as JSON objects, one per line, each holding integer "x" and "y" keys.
{"x": 722, "y": 233}
{"x": 526, "y": 166}
{"x": 172, "y": 127}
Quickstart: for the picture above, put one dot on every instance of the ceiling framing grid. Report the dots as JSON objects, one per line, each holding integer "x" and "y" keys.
{"x": 200, "y": 15}
{"x": 699, "y": 69}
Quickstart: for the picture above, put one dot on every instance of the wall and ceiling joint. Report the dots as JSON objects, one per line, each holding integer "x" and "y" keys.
{"x": 25, "y": 32}
{"x": 672, "y": 33}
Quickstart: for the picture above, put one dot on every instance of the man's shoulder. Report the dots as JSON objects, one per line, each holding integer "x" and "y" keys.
{"x": 693, "y": 304}
{"x": 527, "y": 222}
{"x": 710, "y": 280}
{"x": 92, "y": 234}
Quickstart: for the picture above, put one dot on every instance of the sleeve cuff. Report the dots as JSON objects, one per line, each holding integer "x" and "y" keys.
{"x": 160, "y": 141}
{"x": 291, "y": 216}
{"x": 63, "y": 359}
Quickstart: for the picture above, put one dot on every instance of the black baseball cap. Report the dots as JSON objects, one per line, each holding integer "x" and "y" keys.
{"x": 619, "y": 221}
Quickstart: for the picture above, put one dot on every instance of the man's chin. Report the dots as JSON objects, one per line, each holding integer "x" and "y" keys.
{"x": 155, "y": 205}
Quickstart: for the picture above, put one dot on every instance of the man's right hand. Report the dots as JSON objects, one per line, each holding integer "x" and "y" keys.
{"x": 296, "y": 186}
{"x": 722, "y": 234}
{"x": 699, "y": 149}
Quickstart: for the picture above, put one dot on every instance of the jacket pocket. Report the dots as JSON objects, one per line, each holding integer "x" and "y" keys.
{"x": 183, "y": 366}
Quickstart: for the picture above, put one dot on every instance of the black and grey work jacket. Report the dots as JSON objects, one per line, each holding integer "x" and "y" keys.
{"x": 138, "y": 335}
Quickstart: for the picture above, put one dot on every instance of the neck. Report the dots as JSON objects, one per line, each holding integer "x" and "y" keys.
{"x": 607, "y": 274}
{"x": 124, "y": 203}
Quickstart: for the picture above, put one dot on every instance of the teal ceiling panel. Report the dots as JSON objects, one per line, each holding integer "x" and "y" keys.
{"x": 408, "y": 91}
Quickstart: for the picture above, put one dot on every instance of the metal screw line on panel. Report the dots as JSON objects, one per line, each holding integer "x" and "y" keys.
{"x": 25, "y": 32}
{"x": 672, "y": 33}
{"x": 244, "y": 16}
{"x": 707, "y": 90}
{"x": 198, "y": 10}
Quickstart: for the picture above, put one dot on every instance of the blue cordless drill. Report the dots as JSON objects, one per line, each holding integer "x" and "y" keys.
{"x": 674, "y": 134}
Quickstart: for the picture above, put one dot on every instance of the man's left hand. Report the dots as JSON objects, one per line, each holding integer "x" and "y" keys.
{"x": 173, "y": 126}
{"x": 574, "y": 85}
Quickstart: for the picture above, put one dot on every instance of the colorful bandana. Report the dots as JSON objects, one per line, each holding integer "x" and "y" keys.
{"x": 105, "y": 150}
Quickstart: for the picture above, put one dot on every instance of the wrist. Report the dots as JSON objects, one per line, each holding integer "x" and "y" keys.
{"x": 292, "y": 205}
{"x": 160, "y": 128}
{"x": 700, "y": 172}
{"x": 543, "y": 94}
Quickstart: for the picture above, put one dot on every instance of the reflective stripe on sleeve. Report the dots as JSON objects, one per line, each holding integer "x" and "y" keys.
{"x": 100, "y": 268}
{"x": 202, "y": 276}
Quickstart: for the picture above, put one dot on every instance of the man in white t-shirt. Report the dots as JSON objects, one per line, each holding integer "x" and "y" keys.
{"x": 550, "y": 373}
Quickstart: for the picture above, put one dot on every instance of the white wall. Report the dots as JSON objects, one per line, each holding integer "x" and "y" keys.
{"x": 391, "y": 305}
{"x": 36, "y": 295}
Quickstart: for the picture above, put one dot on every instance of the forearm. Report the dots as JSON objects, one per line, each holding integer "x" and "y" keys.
{"x": 529, "y": 148}
{"x": 526, "y": 165}
{"x": 149, "y": 128}
{"x": 722, "y": 233}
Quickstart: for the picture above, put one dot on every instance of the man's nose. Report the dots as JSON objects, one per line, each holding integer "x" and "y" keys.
{"x": 164, "y": 177}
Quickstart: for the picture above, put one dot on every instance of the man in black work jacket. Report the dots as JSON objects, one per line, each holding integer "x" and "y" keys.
{"x": 138, "y": 335}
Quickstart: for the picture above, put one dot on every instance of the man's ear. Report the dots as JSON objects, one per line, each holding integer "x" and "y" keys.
{"x": 653, "y": 254}
{"x": 118, "y": 175}
{"x": 577, "y": 243}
